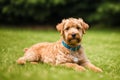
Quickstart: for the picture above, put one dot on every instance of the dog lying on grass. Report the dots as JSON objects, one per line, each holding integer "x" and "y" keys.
{"x": 67, "y": 51}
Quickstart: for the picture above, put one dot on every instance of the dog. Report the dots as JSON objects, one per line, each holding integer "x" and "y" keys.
{"x": 67, "y": 51}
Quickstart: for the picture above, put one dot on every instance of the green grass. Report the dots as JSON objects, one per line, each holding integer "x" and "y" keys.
{"x": 102, "y": 47}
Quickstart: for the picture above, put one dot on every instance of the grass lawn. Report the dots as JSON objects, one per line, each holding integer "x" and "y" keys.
{"x": 102, "y": 46}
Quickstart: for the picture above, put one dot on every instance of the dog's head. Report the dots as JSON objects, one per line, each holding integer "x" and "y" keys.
{"x": 72, "y": 30}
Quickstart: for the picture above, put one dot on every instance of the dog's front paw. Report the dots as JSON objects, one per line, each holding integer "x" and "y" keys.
{"x": 80, "y": 68}
{"x": 93, "y": 67}
{"x": 96, "y": 69}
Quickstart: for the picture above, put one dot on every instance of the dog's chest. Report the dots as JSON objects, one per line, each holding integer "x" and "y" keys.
{"x": 72, "y": 57}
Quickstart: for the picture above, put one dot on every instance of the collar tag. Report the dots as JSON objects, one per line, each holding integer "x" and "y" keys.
{"x": 75, "y": 59}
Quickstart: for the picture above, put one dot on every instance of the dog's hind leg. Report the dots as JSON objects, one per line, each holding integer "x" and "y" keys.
{"x": 31, "y": 57}
{"x": 21, "y": 60}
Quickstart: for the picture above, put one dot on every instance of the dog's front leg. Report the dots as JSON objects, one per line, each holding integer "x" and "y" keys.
{"x": 92, "y": 67}
{"x": 74, "y": 66}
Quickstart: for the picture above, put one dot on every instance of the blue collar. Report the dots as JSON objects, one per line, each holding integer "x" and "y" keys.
{"x": 71, "y": 48}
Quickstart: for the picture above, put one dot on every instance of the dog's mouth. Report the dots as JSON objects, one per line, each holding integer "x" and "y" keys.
{"x": 73, "y": 41}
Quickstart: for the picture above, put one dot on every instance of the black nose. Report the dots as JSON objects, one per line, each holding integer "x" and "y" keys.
{"x": 73, "y": 35}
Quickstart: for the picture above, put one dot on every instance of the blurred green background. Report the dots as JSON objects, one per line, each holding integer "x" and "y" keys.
{"x": 105, "y": 12}
{"x": 102, "y": 45}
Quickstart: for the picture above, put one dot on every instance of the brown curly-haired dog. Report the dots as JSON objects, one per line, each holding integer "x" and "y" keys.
{"x": 68, "y": 51}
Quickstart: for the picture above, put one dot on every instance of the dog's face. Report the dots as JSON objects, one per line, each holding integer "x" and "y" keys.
{"x": 72, "y": 30}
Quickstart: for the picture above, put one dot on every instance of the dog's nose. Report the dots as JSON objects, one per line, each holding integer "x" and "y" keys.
{"x": 73, "y": 35}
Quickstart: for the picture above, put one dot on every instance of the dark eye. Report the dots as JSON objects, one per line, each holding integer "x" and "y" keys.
{"x": 78, "y": 28}
{"x": 67, "y": 28}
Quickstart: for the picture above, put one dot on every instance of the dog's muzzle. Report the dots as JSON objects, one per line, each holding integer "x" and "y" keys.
{"x": 73, "y": 38}
{"x": 73, "y": 35}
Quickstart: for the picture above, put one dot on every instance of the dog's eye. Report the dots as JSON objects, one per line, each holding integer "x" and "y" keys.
{"x": 67, "y": 28}
{"x": 78, "y": 28}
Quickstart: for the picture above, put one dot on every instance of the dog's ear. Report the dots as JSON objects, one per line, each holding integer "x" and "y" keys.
{"x": 60, "y": 26}
{"x": 84, "y": 25}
